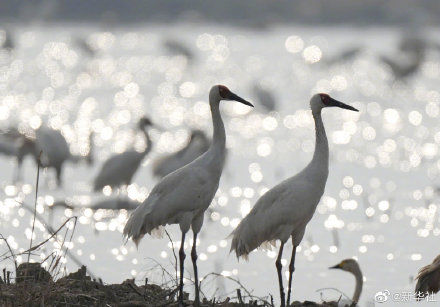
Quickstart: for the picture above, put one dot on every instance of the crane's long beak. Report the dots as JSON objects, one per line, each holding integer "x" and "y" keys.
{"x": 338, "y": 266}
{"x": 232, "y": 96}
{"x": 336, "y": 103}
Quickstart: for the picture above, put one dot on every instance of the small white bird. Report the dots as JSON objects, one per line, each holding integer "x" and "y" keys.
{"x": 119, "y": 169}
{"x": 183, "y": 196}
{"x": 351, "y": 266}
{"x": 285, "y": 210}
{"x": 197, "y": 145}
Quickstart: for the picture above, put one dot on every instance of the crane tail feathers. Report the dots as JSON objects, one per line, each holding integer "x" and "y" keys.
{"x": 141, "y": 221}
{"x": 157, "y": 232}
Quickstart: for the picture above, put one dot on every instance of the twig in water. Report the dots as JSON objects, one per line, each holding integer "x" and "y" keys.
{"x": 43, "y": 242}
{"x": 12, "y": 254}
{"x": 174, "y": 253}
{"x": 240, "y": 299}
{"x": 35, "y": 203}
{"x": 334, "y": 289}
{"x": 248, "y": 293}
{"x": 51, "y": 231}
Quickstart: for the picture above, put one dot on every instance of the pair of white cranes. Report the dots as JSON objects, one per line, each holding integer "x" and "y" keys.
{"x": 281, "y": 213}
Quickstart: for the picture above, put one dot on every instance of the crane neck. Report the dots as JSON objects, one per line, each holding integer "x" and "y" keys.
{"x": 219, "y": 135}
{"x": 149, "y": 143}
{"x": 321, "y": 155}
{"x": 359, "y": 284}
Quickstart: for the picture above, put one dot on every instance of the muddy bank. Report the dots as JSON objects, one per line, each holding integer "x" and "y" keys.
{"x": 34, "y": 286}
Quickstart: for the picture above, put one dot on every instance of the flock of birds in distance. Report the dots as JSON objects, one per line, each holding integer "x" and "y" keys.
{"x": 190, "y": 178}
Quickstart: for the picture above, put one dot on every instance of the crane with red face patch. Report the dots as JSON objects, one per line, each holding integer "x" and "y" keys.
{"x": 183, "y": 196}
{"x": 285, "y": 210}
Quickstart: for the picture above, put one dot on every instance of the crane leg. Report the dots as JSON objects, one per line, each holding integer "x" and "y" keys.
{"x": 181, "y": 258}
{"x": 280, "y": 277}
{"x": 196, "y": 276}
{"x": 59, "y": 176}
{"x": 17, "y": 175}
{"x": 291, "y": 270}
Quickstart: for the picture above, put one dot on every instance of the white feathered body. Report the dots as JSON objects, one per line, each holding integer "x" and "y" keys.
{"x": 286, "y": 209}
{"x": 282, "y": 211}
{"x": 179, "y": 198}
{"x": 53, "y": 145}
{"x": 119, "y": 169}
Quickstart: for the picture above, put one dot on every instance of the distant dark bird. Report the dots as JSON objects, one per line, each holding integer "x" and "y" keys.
{"x": 351, "y": 266}
{"x": 176, "y": 47}
{"x": 413, "y": 43}
{"x": 197, "y": 145}
{"x": 53, "y": 147}
{"x": 85, "y": 46}
{"x": 343, "y": 56}
{"x": 8, "y": 149}
{"x": 404, "y": 68}
{"x": 265, "y": 97}
{"x": 55, "y": 150}
{"x": 115, "y": 204}
{"x": 183, "y": 196}
{"x": 8, "y": 43}
{"x": 284, "y": 211}
{"x": 428, "y": 279}
{"x": 119, "y": 169}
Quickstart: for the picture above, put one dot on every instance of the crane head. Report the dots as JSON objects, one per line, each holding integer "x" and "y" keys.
{"x": 221, "y": 92}
{"x": 321, "y": 100}
{"x": 145, "y": 122}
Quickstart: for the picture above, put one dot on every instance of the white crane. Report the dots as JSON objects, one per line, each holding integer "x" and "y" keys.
{"x": 52, "y": 144}
{"x": 351, "y": 266}
{"x": 119, "y": 169}
{"x": 285, "y": 210}
{"x": 197, "y": 145}
{"x": 183, "y": 196}
{"x": 55, "y": 150}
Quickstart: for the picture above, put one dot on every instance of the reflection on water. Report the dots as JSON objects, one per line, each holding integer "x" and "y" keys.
{"x": 382, "y": 197}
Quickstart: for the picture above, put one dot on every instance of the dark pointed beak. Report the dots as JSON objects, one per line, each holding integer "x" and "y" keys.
{"x": 232, "y": 96}
{"x": 336, "y": 103}
{"x": 338, "y": 266}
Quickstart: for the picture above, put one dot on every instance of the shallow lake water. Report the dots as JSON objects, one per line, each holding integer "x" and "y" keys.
{"x": 381, "y": 199}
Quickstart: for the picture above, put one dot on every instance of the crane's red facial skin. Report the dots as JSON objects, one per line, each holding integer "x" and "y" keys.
{"x": 325, "y": 98}
{"x": 223, "y": 91}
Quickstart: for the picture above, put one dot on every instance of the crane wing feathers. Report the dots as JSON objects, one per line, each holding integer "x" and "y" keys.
{"x": 185, "y": 191}
{"x": 53, "y": 145}
{"x": 277, "y": 214}
{"x": 118, "y": 169}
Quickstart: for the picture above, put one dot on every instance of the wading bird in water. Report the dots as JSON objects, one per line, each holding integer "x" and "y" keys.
{"x": 197, "y": 145}
{"x": 119, "y": 169}
{"x": 285, "y": 210}
{"x": 351, "y": 266}
{"x": 183, "y": 196}
{"x": 53, "y": 147}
